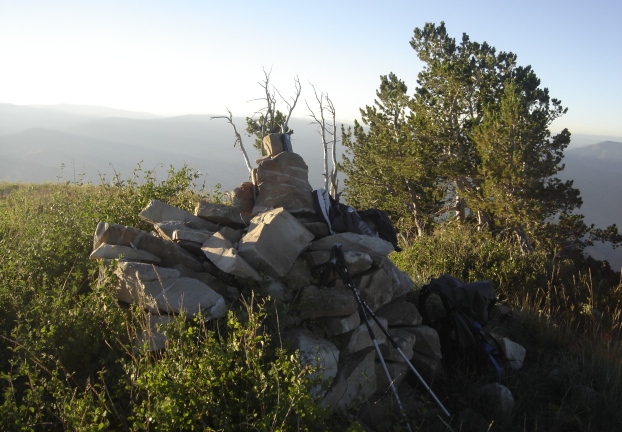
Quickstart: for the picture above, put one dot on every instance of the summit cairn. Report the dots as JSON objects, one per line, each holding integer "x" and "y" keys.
{"x": 282, "y": 178}
{"x": 271, "y": 240}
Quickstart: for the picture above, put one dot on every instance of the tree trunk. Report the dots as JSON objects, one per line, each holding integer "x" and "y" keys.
{"x": 523, "y": 240}
{"x": 483, "y": 221}
{"x": 415, "y": 211}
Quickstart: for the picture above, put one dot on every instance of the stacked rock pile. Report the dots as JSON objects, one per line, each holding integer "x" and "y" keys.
{"x": 271, "y": 238}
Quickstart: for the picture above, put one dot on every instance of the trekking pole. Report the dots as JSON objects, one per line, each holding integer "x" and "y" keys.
{"x": 366, "y": 309}
{"x": 342, "y": 270}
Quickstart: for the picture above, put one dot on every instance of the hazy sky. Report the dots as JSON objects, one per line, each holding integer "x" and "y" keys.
{"x": 182, "y": 57}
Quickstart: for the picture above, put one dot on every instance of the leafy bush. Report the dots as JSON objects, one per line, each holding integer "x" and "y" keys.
{"x": 470, "y": 255}
{"x": 67, "y": 359}
{"x": 229, "y": 378}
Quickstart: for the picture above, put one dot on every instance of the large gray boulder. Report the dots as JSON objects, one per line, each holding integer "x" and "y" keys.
{"x": 355, "y": 382}
{"x": 152, "y": 336}
{"x": 375, "y": 287}
{"x": 316, "y": 351}
{"x": 274, "y": 241}
{"x": 427, "y": 342}
{"x": 404, "y": 340}
{"x": 401, "y": 284}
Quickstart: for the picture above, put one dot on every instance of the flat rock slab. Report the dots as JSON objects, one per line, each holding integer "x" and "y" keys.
{"x": 157, "y": 212}
{"x": 180, "y": 231}
{"x": 341, "y": 324}
{"x": 221, "y": 214}
{"x": 169, "y": 253}
{"x": 186, "y": 295}
{"x": 360, "y": 339}
{"x": 357, "y": 262}
{"x": 124, "y": 253}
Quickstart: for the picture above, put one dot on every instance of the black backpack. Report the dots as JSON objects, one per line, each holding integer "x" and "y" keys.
{"x": 341, "y": 218}
{"x": 465, "y": 310}
{"x": 337, "y": 216}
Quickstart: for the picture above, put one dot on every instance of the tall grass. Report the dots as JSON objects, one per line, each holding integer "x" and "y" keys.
{"x": 567, "y": 314}
{"x": 68, "y": 358}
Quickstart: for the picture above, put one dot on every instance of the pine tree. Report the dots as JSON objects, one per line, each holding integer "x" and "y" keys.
{"x": 516, "y": 188}
{"x": 473, "y": 144}
{"x": 384, "y": 167}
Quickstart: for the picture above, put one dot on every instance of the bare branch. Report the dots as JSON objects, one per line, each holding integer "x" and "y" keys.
{"x": 268, "y": 122}
{"x": 322, "y": 124}
{"x": 333, "y": 175}
{"x": 326, "y": 105}
{"x": 238, "y": 139}
{"x": 291, "y": 106}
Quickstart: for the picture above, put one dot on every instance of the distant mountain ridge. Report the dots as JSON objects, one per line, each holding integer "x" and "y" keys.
{"x": 95, "y": 142}
{"x": 596, "y": 172}
{"x": 96, "y": 111}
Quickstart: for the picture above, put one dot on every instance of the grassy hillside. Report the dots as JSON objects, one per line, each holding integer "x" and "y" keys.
{"x": 68, "y": 362}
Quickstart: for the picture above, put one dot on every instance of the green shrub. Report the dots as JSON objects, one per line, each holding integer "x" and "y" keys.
{"x": 231, "y": 377}
{"x": 470, "y": 255}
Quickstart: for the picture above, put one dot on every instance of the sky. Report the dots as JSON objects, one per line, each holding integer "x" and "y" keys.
{"x": 204, "y": 57}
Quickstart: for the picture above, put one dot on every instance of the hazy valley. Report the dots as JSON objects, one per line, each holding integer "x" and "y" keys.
{"x": 92, "y": 144}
